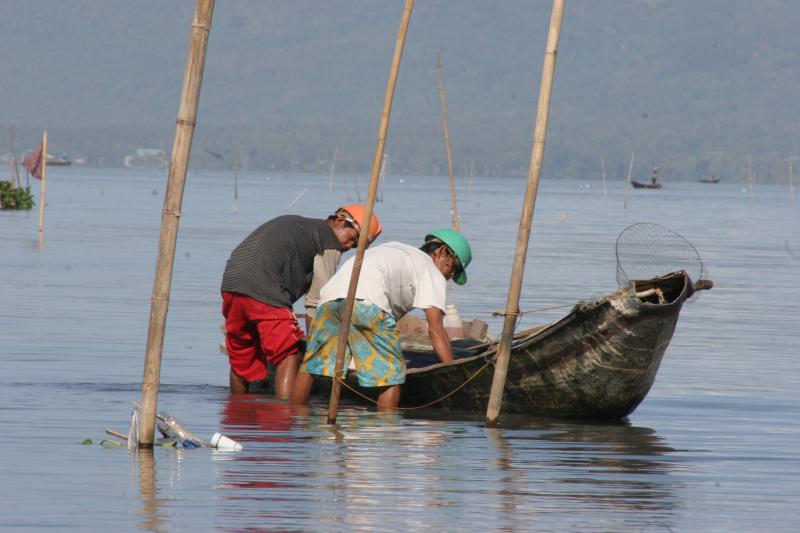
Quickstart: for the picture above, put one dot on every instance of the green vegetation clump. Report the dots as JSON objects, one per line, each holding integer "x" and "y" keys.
{"x": 15, "y": 197}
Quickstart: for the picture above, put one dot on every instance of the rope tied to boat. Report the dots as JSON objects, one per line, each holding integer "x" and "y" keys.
{"x": 434, "y": 402}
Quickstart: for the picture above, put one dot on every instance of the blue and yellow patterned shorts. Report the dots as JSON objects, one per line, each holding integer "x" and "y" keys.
{"x": 374, "y": 343}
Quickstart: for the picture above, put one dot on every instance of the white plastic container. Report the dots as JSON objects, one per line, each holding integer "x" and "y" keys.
{"x": 453, "y": 323}
{"x": 221, "y": 442}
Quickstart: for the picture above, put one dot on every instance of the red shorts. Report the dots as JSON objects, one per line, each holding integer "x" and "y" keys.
{"x": 256, "y": 333}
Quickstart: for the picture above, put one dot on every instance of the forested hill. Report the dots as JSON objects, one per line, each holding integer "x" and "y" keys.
{"x": 692, "y": 87}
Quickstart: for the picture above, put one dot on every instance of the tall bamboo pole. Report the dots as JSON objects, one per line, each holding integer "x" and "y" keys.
{"x": 43, "y": 197}
{"x": 523, "y": 236}
{"x": 333, "y": 168}
{"x": 443, "y": 103}
{"x": 628, "y": 181}
{"x": 791, "y": 178}
{"x": 333, "y": 406}
{"x": 173, "y": 197}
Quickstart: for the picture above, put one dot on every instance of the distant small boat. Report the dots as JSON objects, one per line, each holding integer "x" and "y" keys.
{"x": 711, "y": 179}
{"x": 640, "y": 185}
{"x": 58, "y": 161}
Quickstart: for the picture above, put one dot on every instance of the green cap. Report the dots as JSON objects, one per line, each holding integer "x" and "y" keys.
{"x": 460, "y": 247}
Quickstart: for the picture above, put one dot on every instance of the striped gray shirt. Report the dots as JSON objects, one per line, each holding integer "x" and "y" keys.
{"x": 275, "y": 263}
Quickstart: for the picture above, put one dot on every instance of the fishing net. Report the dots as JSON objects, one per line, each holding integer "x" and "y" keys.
{"x": 647, "y": 250}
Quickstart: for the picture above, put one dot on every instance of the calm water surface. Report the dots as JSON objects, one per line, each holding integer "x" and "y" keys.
{"x": 714, "y": 447}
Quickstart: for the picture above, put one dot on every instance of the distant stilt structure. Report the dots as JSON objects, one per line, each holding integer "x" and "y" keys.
{"x": 443, "y": 103}
{"x": 512, "y": 313}
{"x": 235, "y": 180}
{"x": 333, "y": 169}
{"x": 628, "y": 181}
{"x": 173, "y": 198}
{"x": 603, "y": 174}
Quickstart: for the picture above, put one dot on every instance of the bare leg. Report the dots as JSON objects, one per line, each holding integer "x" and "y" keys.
{"x": 301, "y": 390}
{"x": 285, "y": 373}
{"x": 237, "y": 384}
{"x": 390, "y": 398}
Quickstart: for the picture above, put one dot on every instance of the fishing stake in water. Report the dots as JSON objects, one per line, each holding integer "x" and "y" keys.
{"x": 182, "y": 146}
{"x": 336, "y": 387}
{"x": 515, "y": 287}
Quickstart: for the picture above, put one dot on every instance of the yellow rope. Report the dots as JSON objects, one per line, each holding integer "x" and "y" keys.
{"x": 357, "y": 393}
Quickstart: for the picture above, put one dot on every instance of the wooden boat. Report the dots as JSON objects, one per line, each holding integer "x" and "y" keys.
{"x": 641, "y": 185}
{"x": 711, "y": 179}
{"x": 598, "y": 362}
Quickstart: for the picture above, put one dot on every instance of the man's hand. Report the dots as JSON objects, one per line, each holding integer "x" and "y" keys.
{"x": 439, "y": 337}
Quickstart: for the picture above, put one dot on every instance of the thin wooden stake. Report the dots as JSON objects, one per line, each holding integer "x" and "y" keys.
{"x": 235, "y": 181}
{"x": 469, "y": 180}
{"x": 13, "y": 162}
{"x": 443, "y": 103}
{"x": 296, "y": 198}
{"x": 749, "y": 178}
{"x": 603, "y": 174}
{"x": 333, "y": 168}
{"x": 628, "y": 181}
{"x": 43, "y": 197}
{"x": 537, "y": 155}
{"x": 173, "y": 197}
{"x": 336, "y": 388}
{"x": 382, "y": 176}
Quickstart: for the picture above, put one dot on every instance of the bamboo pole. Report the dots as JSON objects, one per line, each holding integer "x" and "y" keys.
{"x": 373, "y": 189}
{"x": 443, "y": 103}
{"x": 296, "y": 198}
{"x": 603, "y": 174}
{"x": 333, "y": 168}
{"x": 355, "y": 184}
{"x": 235, "y": 181}
{"x": 523, "y": 236}
{"x": 791, "y": 178}
{"x": 749, "y": 178}
{"x": 469, "y": 179}
{"x": 43, "y": 197}
{"x": 628, "y": 181}
{"x": 382, "y": 177}
{"x": 173, "y": 197}
{"x": 13, "y": 162}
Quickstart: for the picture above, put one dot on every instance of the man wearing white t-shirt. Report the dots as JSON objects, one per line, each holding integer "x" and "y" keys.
{"x": 394, "y": 279}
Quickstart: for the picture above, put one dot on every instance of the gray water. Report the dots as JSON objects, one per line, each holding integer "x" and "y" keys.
{"x": 714, "y": 447}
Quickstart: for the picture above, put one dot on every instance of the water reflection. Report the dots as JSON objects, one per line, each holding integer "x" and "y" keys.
{"x": 153, "y": 517}
{"x": 298, "y": 471}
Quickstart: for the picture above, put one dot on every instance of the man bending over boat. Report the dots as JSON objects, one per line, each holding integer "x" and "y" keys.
{"x": 395, "y": 278}
{"x": 269, "y": 270}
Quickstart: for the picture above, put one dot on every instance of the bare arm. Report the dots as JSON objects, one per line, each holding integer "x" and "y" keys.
{"x": 324, "y": 268}
{"x": 439, "y": 338}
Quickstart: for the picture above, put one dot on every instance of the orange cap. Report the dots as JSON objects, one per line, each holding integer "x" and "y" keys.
{"x": 356, "y": 212}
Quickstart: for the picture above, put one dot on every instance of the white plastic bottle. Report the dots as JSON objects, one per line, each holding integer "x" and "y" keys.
{"x": 452, "y": 322}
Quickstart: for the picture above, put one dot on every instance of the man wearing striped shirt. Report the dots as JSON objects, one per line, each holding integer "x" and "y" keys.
{"x": 265, "y": 275}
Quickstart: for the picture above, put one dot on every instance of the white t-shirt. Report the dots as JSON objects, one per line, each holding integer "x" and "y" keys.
{"x": 394, "y": 276}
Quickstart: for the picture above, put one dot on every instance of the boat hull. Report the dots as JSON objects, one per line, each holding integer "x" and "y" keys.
{"x": 598, "y": 362}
